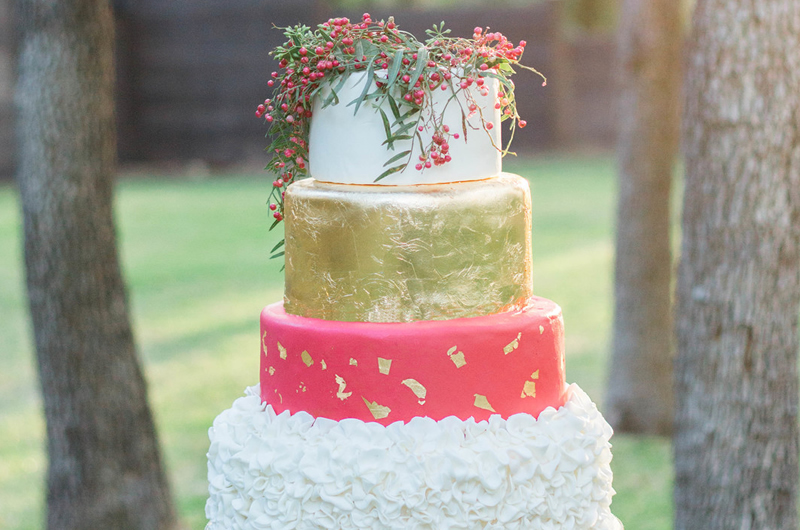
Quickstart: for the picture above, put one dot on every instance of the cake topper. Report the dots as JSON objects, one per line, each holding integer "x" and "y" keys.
{"x": 401, "y": 72}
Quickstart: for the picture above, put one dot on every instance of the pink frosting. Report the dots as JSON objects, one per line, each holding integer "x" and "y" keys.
{"x": 504, "y": 364}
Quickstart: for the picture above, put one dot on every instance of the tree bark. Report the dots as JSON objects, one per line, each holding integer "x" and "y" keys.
{"x": 104, "y": 468}
{"x": 639, "y": 394}
{"x": 738, "y": 292}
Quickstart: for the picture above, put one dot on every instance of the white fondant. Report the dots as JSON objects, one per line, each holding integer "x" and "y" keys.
{"x": 346, "y": 147}
{"x": 294, "y": 472}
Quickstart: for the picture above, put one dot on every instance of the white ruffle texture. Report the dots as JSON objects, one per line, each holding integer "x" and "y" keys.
{"x": 269, "y": 471}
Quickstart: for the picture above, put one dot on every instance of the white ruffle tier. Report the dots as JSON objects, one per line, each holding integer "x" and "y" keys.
{"x": 269, "y": 471}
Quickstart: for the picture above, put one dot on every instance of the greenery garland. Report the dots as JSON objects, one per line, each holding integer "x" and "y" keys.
{"x": 403, "y": 72}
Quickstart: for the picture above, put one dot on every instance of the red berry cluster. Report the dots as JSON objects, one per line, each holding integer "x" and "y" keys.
{"x": 405, "y": 72}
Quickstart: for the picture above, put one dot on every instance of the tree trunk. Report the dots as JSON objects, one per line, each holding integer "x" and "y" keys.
{"x": 738, "y": 293}
{"x": 105, "y": 469}
{"x": 639, "y": 395}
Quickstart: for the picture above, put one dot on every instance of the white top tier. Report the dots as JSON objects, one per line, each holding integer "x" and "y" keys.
{"x": 345, "y": 147}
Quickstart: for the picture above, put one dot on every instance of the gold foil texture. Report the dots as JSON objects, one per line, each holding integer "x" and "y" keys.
{"x": 405, "y": 253}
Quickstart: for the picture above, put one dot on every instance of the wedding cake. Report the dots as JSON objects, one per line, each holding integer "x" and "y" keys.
{"x": 410, "y": 378}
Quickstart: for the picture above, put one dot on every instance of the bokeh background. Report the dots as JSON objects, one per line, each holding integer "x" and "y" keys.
{"x": 192, "y": 216}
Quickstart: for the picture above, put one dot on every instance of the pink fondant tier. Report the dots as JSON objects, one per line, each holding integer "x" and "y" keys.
{"x": 504, "y": 364}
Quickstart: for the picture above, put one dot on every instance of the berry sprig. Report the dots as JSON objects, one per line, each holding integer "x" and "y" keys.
{"x": 402, "y": 71}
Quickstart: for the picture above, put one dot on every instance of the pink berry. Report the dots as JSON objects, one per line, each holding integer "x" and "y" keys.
{"x": 269, "y": 118}
{"x": 270, "y": 82}
{"x": 456, "y": 135}
{"x": 277, "y": 183}
{"x": 273, "y": 206}
{"x": 489, "y": 126}
{"x": 522, "y": 124}
{"x": 427, "y": 164}
{"x": 418, "y": 167}
{"x": 303, "y": 51}
{"x": 278, "y": 216}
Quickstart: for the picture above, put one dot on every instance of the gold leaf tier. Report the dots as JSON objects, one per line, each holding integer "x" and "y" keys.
{"x": 403, "y": 253}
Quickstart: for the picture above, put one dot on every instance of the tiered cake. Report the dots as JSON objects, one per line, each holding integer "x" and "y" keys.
{"x": 410, "y": 378}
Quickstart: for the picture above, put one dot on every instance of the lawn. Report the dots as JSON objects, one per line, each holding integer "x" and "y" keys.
{"x": 195, "y": 256}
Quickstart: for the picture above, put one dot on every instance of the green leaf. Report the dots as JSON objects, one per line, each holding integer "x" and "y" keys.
{"x": 505, "y": 67}
{"x": 274, "y": 224}
{"x": 360, "y": 99}
{"x": 389, "y": 171}
{"x": 330, "y": 99}
{"x": 397, "y": 139}
{"x": 279, "y": 245}
{"x": 397, "y": 62}
{"x": 278, "y": 255}
{"x": 404, "y": 128}
{"x": 506, "y": 82}
{"x": 397, "y": 157}
{"x": 422, "y": 62}
{"x": 333, "y": 97}
{"x": 405, "y": 116}
{"x": 387, "y": 128}
{"x": 395, "y": 110}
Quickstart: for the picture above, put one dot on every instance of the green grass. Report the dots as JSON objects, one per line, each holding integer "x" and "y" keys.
{"x": 195, "y": 255}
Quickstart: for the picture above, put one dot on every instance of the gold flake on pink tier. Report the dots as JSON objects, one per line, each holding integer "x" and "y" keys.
{"x": 541, "y": 329}
{"x": 384, "y": 365}
{"x": 302, "y": 387}
{"x": 353, "y": 362}
{"x": 306, "y": 357}
{"x": 323, "y": 365}
{"x": 378, "y": 411}
{"x": 513, "y": 345}
{"x": 482, "y": 403}
{"x": 529, "y": 388}
{"x": 341, "y": 394}
{"x": 457, "y": 358}
{"x": 264, "y": 343}
{"x": 271, "y": 370}
{"x": 282, "y": 351}
{"x": 416, "y": 387}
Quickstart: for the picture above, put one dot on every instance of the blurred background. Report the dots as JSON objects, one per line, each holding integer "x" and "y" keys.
{"x": 192, "y": 220}
{"x": 190, "y": 72}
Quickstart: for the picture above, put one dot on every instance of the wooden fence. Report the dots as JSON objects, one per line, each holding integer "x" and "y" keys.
{"x": 191, "y": 72}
